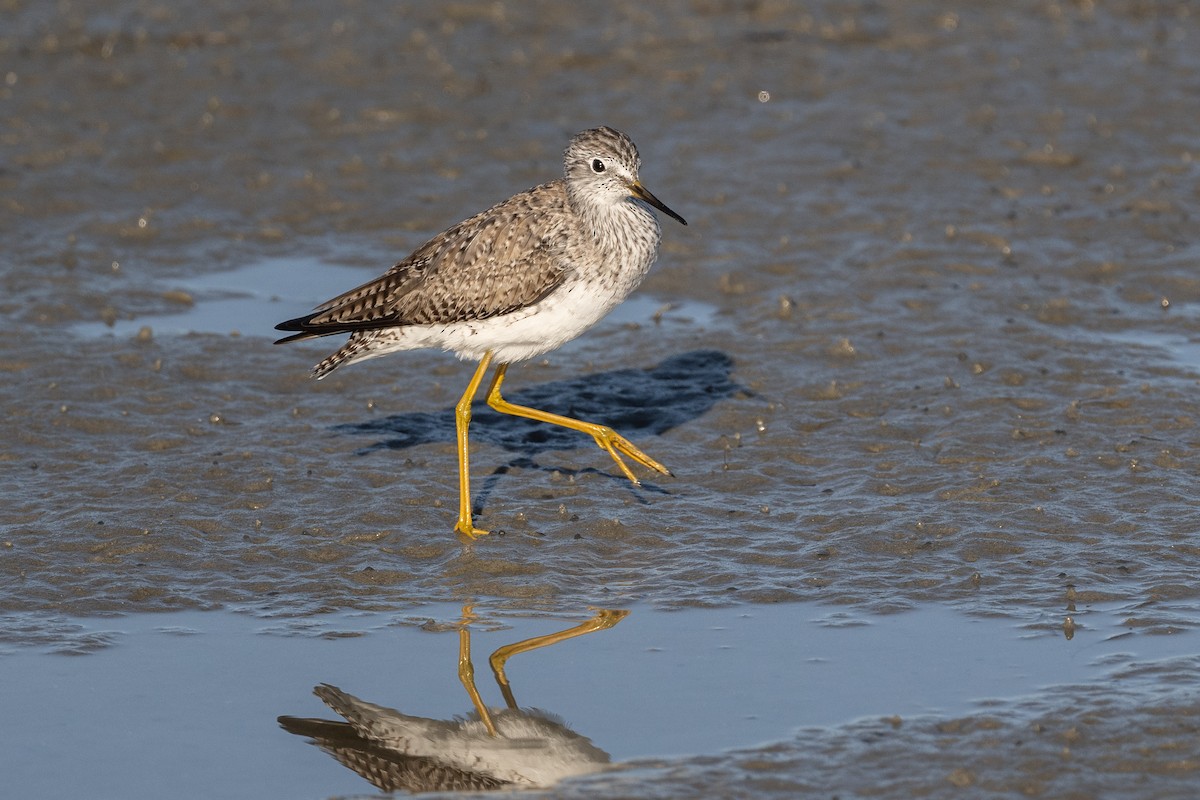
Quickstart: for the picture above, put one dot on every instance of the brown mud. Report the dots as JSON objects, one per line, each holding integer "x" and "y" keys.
{"x": 930, "y": 335}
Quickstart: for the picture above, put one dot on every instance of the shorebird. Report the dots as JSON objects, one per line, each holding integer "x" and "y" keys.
{"x": 491, "y": 749}
{"x": 513, "y": 282}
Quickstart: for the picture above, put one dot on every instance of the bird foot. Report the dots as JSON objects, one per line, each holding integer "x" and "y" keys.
{"x": 614, "y": 444}
{"x": 468, "y": 530}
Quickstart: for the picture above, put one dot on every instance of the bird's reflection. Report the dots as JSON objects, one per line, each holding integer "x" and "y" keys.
{"x": 489, "y": 749}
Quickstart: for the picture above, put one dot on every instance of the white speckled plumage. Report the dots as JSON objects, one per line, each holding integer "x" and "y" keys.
{"x": 519, "y": 279}
{"x": 531, "y": 748}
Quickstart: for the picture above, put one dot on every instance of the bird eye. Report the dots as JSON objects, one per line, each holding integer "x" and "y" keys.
{"x": 597, "y": 166}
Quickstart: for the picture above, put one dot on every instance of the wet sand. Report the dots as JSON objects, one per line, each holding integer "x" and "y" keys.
{"x": 931, "y": 335}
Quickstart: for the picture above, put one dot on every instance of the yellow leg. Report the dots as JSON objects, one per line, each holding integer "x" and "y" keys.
{"x": 462, "y": 417}
{"x": 466, "y": 672}
{"x": 603, "y": 620}
{"x": 609, "y": 440}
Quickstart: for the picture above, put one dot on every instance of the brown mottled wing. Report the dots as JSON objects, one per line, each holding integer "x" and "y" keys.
{"x": 494, "y": 263}
{"x": 388, "y": 769}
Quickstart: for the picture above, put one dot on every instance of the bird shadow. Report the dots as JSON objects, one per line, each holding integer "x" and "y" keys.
{"x": 637, "y": 403}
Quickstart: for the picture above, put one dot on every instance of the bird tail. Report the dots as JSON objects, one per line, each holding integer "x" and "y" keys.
{"x": 352, "y": 350}
{"x": 379, "y": 723}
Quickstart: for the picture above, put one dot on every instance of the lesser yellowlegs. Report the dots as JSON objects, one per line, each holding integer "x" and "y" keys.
{"x": 511, "y": 283}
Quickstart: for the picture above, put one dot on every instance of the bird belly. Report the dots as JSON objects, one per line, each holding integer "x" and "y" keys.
{"x": 531, "y": 331}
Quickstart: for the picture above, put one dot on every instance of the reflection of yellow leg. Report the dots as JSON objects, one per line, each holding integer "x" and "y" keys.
{"x": 603, "y": 620}
{"x": 462, "y": 417}
{"x": 466, "y": 671}
{"x": 609, "y": 440}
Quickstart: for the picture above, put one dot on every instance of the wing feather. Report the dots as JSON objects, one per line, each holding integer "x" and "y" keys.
{"x": 496, "y": 262}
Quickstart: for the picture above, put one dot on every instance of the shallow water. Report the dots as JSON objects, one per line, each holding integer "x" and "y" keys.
{"x": 927, "y": 343}
{"x": 196, "y": 694}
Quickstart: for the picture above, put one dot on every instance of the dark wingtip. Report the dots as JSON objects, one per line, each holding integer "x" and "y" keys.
{"x": 298, "y": 324}
{"x": 293, "y": 338}
{"x": 309, "y": 329}
{"x": 301, "y": 324}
